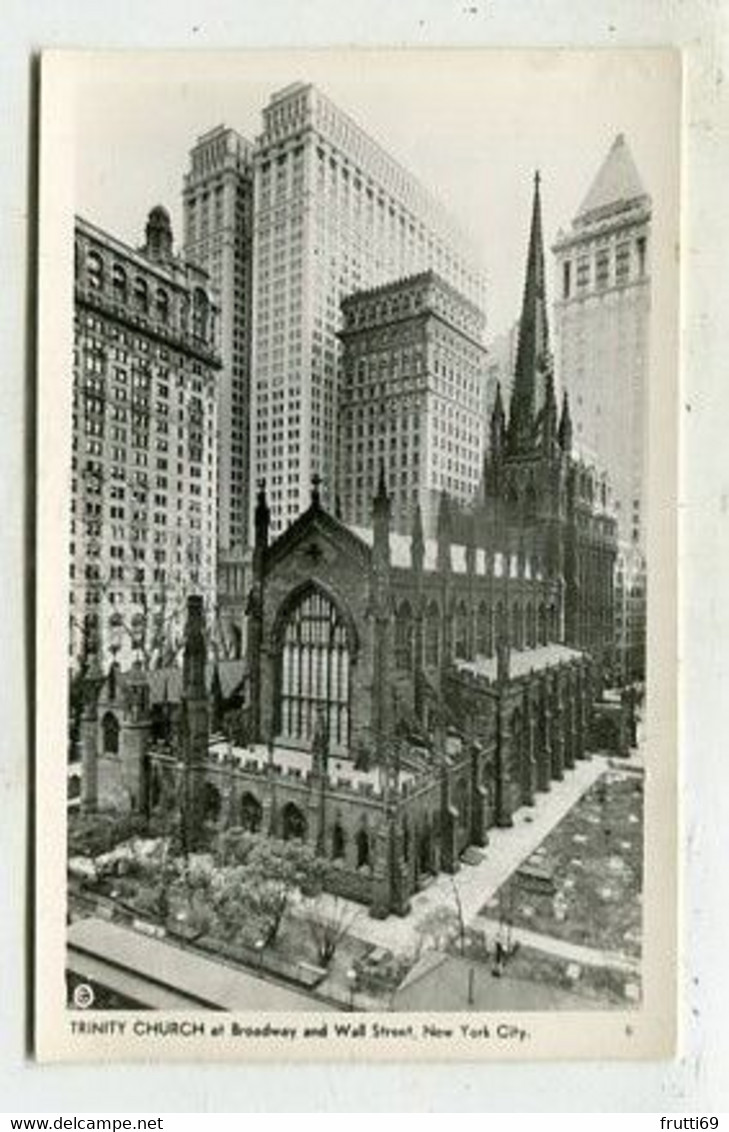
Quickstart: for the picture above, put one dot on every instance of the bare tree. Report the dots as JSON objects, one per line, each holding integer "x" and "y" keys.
{"x": 329, "y": 920}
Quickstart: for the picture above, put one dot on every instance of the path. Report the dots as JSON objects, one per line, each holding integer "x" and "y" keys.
{"x": 572, "y": 952}
{"x": 506, "y": 850}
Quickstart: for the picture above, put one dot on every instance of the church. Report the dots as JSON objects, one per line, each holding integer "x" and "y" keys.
{"x": 403, "y": 693}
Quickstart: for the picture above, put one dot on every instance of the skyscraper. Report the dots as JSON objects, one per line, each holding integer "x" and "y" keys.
{"x": 143, "y": 482}
{"x": 412, "y": 399}
{"x": 602, "y": 314}
{"x": 218, "y": 216}
{"x": 218, "y": 220}
{"x": 334, "y": 214}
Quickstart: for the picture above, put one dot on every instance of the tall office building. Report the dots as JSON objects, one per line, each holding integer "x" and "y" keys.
{"x": 412, "y": 399}
{"x": 218, "y": 217}
{"x": 218, "y": 232}
{"x": 602, "y": 316}
{"x": 334, "y": 214}
{"x": 143, "y": 482}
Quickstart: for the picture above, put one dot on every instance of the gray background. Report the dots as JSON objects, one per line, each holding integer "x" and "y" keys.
{"x": 697, "y": 1080}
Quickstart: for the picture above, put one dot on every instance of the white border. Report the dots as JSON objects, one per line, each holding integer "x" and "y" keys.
{"x": 698, "y": 1077}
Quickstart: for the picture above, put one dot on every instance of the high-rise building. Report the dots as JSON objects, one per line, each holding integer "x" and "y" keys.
{"x": 412, "y": 399}
{"x": 602, "y": 315}
{"x": 334, "y": 214}
{"x": 218, "y": 221}
{"x": 143, "y": 477}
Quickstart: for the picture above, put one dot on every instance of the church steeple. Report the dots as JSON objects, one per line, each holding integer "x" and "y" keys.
{"x": 532, "y": 358}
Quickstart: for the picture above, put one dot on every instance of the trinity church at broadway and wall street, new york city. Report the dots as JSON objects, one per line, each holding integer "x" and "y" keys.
{"x": 402, "y": 693}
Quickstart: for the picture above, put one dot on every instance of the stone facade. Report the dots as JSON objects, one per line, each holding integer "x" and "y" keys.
{"x": 142, "y": 525}
{"x": 407, "y": 692}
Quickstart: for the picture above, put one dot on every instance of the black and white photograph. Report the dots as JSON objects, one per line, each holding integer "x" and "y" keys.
{"x": 356, "y": 682}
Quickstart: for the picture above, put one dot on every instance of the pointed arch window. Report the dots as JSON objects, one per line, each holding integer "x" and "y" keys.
{"x": 314, "y": 664}
{"x": 461, "y": 632}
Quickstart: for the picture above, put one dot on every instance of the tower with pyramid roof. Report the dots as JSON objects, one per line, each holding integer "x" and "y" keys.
{"x": 601, "y": 322}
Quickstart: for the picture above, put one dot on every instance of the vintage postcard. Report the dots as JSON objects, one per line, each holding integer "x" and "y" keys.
{"x": 356, "y": 650}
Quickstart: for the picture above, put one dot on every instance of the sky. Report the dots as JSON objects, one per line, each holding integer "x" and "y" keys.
{"x": 471, "y": 125}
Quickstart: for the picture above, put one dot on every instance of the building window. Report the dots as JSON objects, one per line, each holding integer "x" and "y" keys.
{"x": 141, "y": 296}
{"x": 95, "y": 271}
{"x": 338, "y": 842}
{"x": 602, "y": 270}
{"x": 363, "y": 849}
{"x": 641, "y": 249}
{"x": 119, "y": 283}
{"x": 461, "y": 632}
{"x": 566, "y": 279}
{"x": 314, "y": 671}
{"x": 110, "y": 728}
{"x": 622, "y": 263}
{"x": 163, "y": 305}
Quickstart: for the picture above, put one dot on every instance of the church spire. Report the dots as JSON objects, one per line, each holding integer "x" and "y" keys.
{"x": 564, "y": 434}
{"x": 532, "y": 358}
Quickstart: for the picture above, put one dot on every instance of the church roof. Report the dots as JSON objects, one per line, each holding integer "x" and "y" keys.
{"x": 617, "y": 181}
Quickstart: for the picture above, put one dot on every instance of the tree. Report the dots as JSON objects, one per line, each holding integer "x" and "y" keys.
{"x": 438, "y": 929}
{"x": 259, "y": 879}
{"x": 329, "y": 924}
{"x": 441, "y": 927}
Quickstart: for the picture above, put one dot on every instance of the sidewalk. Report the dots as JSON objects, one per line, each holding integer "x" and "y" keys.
{"x": 506, "y": 850}
{"x": 572, "y": 952}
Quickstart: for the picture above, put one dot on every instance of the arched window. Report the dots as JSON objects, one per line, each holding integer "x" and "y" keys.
{"x": 460, "y": 636}
{"x": 119, "y": 283}
{"x": 432, "y": 636}
{"x": 212, "y": 802}
{"x": 404, "y": 638}
{"x": 141, "y": 296}
{"x": 95, "y": 271}
{"x": 162, "y": 303}
{"x": 363, "y": 849}
{"x": 314, "y": 671}
{"x": 484, "y": 642}
{"x": 338, "y": 842}
{"x": 293, "y": 823}
{"x": 251, "y": 813}
{"x": 110, "y": 728}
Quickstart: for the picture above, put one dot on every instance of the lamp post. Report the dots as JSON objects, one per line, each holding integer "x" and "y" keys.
{"x": 259, "y": 946}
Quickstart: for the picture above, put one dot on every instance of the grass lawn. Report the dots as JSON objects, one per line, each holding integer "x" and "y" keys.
{"x": 595, "y": 859}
